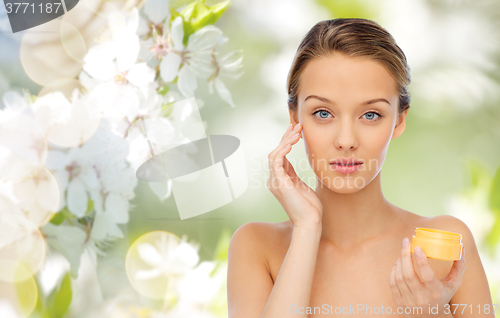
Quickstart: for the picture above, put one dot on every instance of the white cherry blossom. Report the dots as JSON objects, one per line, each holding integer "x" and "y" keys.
{"x": 191, "y": 61}
{"x": 97, "y": 170}
{"x": 113, "y": 67}
{"x": 230, "y": 66}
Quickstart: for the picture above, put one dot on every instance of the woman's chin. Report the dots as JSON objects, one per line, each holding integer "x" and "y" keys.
{"x": 343, "y": 190}
{"x": 344, "y": 183}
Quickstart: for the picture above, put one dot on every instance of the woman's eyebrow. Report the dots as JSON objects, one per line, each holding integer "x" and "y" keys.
{"x": 326, "y": 100}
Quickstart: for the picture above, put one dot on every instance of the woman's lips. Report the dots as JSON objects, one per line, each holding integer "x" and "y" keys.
{"x": 346, "y": 169}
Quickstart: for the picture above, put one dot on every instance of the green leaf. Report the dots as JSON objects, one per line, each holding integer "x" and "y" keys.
{"x": 26, "y": 291}
{"x": 90, "y": 207}
{"x": 494, "y": 196}
{"x": 60, "y": 298}
{"x": 200, "y": 11}
{"x": 198, "y": 15}
{"x": 40, "y": 310}
{"x": 166, "y": 109}
{"x": 164, "y": 90}
{"x": 57, "y": 218}
{"x": 64, "y": 214}
{"x": 187, "y": 12}
{"x": 173, "y": 14}
{"x": 212, "y": 15}
{"x": 67, "y": 214}
{"x": 175, "y": 4}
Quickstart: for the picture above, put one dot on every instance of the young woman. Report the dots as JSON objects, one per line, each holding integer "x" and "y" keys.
{"x": 345, "y": 249}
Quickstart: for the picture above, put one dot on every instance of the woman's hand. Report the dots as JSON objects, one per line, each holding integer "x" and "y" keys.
{"x": 409, "y": 291}
{"x": 301, "y": 203}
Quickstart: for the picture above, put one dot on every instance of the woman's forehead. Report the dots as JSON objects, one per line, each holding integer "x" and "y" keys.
{"x": 339, "y": 75}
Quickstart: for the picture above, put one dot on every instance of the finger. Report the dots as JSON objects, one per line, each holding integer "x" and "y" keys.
{"x": 280, "y": 151}
{"x": 428, "y": 276}
{"x": 291, "y": 131}
{"x": 400, "y": 281}
{"x": 278, "y": 162}
{"x": 396, "y": 294}
{"x": 456, "y": 271}
{"x": 411, "y": 278}
{"x": 290, "y": 127}
{"x": 290, "y": 170}
{"x": 277, "y": 156}
{"x": 288, "y": 137}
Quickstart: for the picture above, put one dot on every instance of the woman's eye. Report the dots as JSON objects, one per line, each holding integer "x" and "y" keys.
{"x": 371, "y": 115}
{"x": 323, "y": 114}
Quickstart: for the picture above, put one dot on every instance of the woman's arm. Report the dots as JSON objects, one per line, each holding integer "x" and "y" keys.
{"x": 251, "y": 293}
{"x": 474, "y": 292}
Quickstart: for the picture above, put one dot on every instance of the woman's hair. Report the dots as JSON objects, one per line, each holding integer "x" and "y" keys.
{"x": 356, "y": 38}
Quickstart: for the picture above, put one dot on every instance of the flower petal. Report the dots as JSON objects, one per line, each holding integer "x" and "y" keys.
{"x": 204, "y": 38}
{"x": 89, "y": 177}
{"x": 129, "y": 48}
{"x": 187, "y": 81}
{"x": 156, "y": 10}
{"x": 223, "y": 92}
{"x": 148, "y": 274}
{"x": 140, "y": 74}
{"x": 98, "y": 62}
{"x": 177, "y": 34}
{"x": 149, "y": 254}
{"x": 105, "y": 228}
{"x": 56, "y": 160}
{"x": 169, "y": 67}
{"x": 77, "y": 198}
{"x": 115, "y": 100}
{"x": 116, "y": 206}
{"x": 132, "y": 21}
{"x": 161, "y": 189}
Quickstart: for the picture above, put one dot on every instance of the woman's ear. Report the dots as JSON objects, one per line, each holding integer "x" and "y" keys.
{"x": 293, "y": 117}
{"x": 400, "y": 125}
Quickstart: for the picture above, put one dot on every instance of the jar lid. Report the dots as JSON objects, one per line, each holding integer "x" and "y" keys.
{"x": 442, "y": 236}
{"x": 438, "y": 244}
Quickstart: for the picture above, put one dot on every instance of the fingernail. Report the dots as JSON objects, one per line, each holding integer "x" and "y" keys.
{"x": 418, "y": 251}
{"x": 296, "y": 126}
{"x": 288, "y": 145}
{"x": 290, "y": 126}
{"x": 405, "y": 242}
{"x": 295, "y": 135}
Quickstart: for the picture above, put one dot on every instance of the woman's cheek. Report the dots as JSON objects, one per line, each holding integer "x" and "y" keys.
{"x": 377, "y": 146}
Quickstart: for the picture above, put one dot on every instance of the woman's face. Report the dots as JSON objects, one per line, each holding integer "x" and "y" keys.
{"x": 348, "y": 108}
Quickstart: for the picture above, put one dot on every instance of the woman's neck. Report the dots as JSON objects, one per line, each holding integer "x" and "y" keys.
{"x": 349, "y": 219}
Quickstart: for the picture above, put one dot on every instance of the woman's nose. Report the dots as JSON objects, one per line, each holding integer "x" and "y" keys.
{"x": 346, "y": 137}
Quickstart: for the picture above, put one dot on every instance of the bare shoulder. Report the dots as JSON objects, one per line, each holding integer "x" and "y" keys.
{"x": 261, "y": 235}
{"x": 449, "y": 223}
{"x": 249, "y": 280}
{"x": 264, "y": 242}
{"x": 440, "y": 222}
